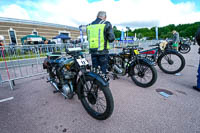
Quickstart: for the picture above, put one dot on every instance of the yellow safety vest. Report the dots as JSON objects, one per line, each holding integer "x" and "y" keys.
{"x": 95, "y": 33}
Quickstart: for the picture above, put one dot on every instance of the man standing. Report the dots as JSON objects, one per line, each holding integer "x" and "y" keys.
{"x": 100, "y": 33}
{"x": 197, "y": 37}
{"x": 176, "y": 40}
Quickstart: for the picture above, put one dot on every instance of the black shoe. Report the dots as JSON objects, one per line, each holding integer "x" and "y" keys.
{"x": 195, "y": 87}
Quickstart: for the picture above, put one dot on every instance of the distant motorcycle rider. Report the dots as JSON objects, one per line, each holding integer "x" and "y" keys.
{"x": 175, "y": 40}
{"x": 100, "y": 33}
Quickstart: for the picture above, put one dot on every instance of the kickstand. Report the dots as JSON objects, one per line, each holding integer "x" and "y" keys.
{"x": 115, "y": 76}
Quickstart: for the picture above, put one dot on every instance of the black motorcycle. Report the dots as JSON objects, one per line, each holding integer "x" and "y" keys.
{"x": 183, "y": 47}
{"x": 141, "y": 70}
{"x": 169, "y": 60}
{"x": 71, "y": 75}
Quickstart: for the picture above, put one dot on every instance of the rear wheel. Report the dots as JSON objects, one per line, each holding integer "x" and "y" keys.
{"x": 171, "y": 62}
{"x": 96, "y": 99}
{"x": 184, "y": 49}
{"x": 144, "y": 74}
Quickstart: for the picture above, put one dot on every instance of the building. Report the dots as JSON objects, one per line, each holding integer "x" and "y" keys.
{"x": 14, "y": 29}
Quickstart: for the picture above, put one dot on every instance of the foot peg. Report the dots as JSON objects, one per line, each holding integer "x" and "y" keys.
{"x": 115, "y": 77}
{"x": 56, "y": 91}
{"x": 49, "y": 80}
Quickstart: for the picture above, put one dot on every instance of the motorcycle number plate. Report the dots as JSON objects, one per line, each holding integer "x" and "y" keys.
{"x": 136, "y": 52}
{"x": 82, "y": 62}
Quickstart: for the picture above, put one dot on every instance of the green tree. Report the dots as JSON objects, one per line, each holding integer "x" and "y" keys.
{"x": 185, "y": 30}
{"x": 116, "y": 32}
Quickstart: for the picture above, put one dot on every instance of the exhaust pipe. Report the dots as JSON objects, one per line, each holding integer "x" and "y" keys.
{"x": 54, "y": 85}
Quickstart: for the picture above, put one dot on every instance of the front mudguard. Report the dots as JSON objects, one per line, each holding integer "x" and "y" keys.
{"x": 95, "y": 77}
{"x": 139, "y": 61}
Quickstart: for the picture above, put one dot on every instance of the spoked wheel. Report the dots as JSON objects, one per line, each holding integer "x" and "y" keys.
{"x": 96, "y": 99}
{"x": 144, "y": 75}
{"x": 184, "y": 49}
{"x": 171, "y": 62}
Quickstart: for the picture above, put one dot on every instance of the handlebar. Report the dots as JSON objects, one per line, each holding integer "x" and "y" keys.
{"x": 133, "y": 48}
{"x": 157, "y": 44}
{"x": 74, "y": 52}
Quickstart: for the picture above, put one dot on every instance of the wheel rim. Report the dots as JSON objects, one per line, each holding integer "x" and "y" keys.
{"x": 95, "y": 97}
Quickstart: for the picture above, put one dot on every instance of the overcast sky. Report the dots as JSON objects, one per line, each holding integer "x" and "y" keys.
{"x": 122, "y": 13}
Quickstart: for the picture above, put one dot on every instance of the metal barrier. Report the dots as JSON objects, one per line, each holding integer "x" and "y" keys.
{"x": 24, "y": 61}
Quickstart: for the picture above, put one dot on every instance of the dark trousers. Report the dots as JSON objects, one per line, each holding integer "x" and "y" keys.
{"x": 4, "y": 52}
{"x": 100, "y": 60}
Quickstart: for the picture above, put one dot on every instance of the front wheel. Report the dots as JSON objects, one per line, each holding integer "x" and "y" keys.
{"x": 171, "y": 62}
{"x": 96, "y": 98}
{"x": 143, "y": 74}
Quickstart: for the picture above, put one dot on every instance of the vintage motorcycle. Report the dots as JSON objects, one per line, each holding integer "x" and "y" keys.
{"x": 71, "y": 74}
{"x": 169, "y": 61}
{"x": 141, "y": 70}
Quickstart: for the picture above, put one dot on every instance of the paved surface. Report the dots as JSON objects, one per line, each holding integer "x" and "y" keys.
{"x": 35, "y": 109}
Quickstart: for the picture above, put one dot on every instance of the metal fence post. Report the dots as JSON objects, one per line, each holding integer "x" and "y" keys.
{"x": 0, "y": 78}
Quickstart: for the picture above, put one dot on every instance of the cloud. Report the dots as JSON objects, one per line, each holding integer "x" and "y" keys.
{"x": 132, "y": 13}
{"x": 137, "y": 24}
{"x": 14, "y": 11}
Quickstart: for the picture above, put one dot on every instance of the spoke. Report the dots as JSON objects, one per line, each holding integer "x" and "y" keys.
{"x": 148, "y": 71}
{"x": 148, "y": 75}
{"x": 166, "y": 58}
{"x": 140, "y": 79}
{"x": 97, "y": 107}
{"x": 144, "y": 79}
{"x": 102, "y": 106}
{"x": 145, "y": 69}
{"x": 101, "y": 98}
{"x": 138, "y": 68}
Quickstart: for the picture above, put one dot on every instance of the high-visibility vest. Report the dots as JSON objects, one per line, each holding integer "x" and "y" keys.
{"x": 95, "y": 33}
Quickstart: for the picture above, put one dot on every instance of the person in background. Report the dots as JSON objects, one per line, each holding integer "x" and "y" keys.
{"x": 1, "y": 45}
{"x": 99, "y": 34}
{"x": 45, "y": 41}
{"x": 197, "y": 37}
{"x": 176, "y": 40}
{"x": 12, "y": 48}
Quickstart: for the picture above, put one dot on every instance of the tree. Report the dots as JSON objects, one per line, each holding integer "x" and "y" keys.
{"x": 116, "y": 32}
{"x": 185, "y": 30}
